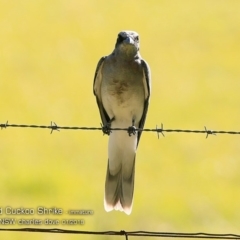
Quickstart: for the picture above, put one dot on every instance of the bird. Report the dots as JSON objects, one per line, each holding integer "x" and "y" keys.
{"x": 122, "y": 87}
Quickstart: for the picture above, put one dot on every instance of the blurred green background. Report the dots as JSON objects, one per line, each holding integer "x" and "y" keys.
{"x": 48, "y": 55}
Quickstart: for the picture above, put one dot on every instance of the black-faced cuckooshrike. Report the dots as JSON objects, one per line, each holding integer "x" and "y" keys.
{"x": 122, "y": 85}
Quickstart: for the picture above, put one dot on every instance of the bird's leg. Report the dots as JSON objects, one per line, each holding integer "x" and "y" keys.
{"x": 107, "y": 127}
{"x": 132, "y": 129}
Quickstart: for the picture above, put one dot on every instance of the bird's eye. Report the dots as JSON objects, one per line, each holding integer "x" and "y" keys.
{"x": 120, "y": 38}
{"x": 137, "y": 38}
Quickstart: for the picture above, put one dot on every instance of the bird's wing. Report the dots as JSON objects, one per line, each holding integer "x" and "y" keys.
{"x": 147, "y": 91}
{"x": 97, "y": 91}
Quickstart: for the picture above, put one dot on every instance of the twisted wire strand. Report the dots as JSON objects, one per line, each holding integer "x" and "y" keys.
{"x": 161, "y": 130}
{"x": 127, "y": 234}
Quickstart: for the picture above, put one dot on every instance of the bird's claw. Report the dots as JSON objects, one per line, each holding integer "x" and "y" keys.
{"x": 132, "y": 130}
{"x": 106, "y": 128}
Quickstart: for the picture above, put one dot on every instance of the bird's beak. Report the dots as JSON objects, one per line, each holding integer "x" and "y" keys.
{"x": 128, "y": 40}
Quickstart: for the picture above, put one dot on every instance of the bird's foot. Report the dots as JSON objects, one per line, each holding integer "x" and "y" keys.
{"x": 132, "y": 130}
{"x": 106, "y": 129}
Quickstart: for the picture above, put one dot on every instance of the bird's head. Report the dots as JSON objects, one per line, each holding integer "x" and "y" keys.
{"x": 127, "y": 43}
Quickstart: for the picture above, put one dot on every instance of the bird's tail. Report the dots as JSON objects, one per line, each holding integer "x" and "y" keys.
{"x": 119, "y": 190}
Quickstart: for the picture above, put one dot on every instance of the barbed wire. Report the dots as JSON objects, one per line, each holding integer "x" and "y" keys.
{"x": 127, "y": 234}
{"x": 55, "y": 127}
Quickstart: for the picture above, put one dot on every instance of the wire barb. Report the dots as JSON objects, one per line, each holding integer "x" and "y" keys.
{"x": 160, "y": 130}
{"x": 209, "y": 132}
{"x": 122, "y": 232}
{"x": 4, "y": 125}
{"x": 54, "y": 127}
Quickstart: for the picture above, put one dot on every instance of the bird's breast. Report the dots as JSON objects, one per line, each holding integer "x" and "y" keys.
{"x": 118, "y": 87}
{"x": 122, "y": 84}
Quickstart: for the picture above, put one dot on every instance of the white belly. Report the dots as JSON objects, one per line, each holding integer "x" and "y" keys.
{"x": 123, "y": 102}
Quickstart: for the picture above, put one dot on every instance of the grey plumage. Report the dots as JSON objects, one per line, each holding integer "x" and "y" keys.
{"x": 122, "y": 90}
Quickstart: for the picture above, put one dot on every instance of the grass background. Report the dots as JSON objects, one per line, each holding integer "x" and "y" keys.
{"x": 48, "y": 55}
